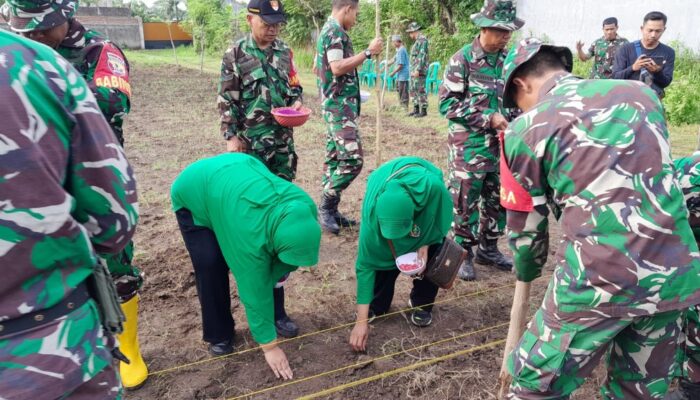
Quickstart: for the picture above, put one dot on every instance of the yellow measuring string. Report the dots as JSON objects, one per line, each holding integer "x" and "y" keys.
{"x": 405, "y": 351}
{"x": 334, "y": 328}
{"x": 407, "y": 368}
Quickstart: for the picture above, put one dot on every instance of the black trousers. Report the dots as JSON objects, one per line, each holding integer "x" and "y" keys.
{"x": 402, "y": 87}
{"x": 422, "y": 293}
{"x": 211, "y": 279}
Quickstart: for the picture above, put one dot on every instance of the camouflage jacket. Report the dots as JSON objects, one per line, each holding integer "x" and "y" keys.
{"x": 253, "y": 82}
{"x": 66, "y": 191}
{"x": 105, "y": 69}
{"x": 597, "y": 152}
{"x": 419, "y": 56}
{"x": 603, "y": 53}
{"x": 688, "y": 174}
{"x": 471, "y": 92}
{"x": 341, "y": 95}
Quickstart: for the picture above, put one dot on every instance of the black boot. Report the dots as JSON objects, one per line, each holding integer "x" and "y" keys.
{"x": 415, "y": 112}
{"x": 686, "y": 391}
{"x": 326, "y": 213}
{"x": 487, "y": 253}
{"x": 284, "y": 326}
{"x": 466, "y": 270}
{"x": 423, "y": 112}
{"x": 342, "y": 220}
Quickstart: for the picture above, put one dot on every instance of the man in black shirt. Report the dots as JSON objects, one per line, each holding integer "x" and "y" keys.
{"x": 648, "y": 59}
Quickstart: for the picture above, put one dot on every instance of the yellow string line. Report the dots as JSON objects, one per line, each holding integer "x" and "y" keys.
{"x": 407, "y": 368}
{"x": 360, "y": 364}
{"x": 207, "y": 360}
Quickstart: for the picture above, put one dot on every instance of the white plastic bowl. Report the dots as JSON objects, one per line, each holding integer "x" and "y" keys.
{"x": 364, "y": 96}
{"x": 410, "y": 264}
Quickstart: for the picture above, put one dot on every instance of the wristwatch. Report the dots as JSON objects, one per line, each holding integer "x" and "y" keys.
{"x": 368, "y": 54}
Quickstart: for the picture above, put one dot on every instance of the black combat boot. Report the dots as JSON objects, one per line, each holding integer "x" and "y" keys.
{"x": 415, "y": 112}
{"x": 686, "y": 391}
{"x": 466, "y": 270}
{"x": 326, "y": 213}
{"x": 423, "y": 112}
{"x": 487, "y": 253}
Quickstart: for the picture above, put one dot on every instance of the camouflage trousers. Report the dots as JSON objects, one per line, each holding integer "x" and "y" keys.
{"x": 67, "y": 358}
{"x": 344, "y": 157}
{"x": 478, "y": 214}
{"x": 418, "y": 92}
{"x": 691, "y": 356}
{"x": 276, "y": 151}
{"x": 555, "y": 356}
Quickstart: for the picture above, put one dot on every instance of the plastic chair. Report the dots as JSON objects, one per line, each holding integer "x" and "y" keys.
{"x": 390, "y": 80}
{"x": 432, "y": 81}
{"x": 362, "y": 73}
{"x": 371, "y": 75}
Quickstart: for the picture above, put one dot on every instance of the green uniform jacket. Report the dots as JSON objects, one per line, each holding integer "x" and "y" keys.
{"x": 239, "y": 199}
{"x": 432, "y": 219}
{"x": 419, "y": 56}
{"x": 688, "y": 174}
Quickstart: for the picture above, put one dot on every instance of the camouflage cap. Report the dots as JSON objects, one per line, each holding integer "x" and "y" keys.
{"x": 38, "y": 15}
{"x": 521, "y": 54}
{"x": 498, "y": 14}
{"x": 413, "y": 27}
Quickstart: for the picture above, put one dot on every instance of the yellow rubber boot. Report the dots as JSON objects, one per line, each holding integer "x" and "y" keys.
{"x": 135, "y": 373}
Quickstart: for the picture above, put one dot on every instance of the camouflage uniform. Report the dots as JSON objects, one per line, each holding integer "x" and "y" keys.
{"x": 419, "y": 64}
{"x": 341, "y": 110}
{"x": 82, "y": 199}
{"x": 688, "y": 170}
{"x": 603, "y": 53}
{"x": 627, "y": 266}
{"x": 471, "y": 93}
{"x": 253, "y": 82}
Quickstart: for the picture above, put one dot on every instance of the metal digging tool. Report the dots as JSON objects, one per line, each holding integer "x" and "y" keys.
{"x": 518, "y": 320}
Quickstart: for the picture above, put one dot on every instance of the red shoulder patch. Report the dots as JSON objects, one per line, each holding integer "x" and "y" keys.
{"x": 513, "y": 196}
{"x": 112, "y": 70}
{"x": 293, "y": 75}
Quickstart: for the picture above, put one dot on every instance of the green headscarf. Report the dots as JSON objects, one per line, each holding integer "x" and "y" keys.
{"x": 395, "y": 210}
{"x": 297, "y": 237}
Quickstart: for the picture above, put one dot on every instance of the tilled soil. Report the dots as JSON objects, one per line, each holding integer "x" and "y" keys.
{"x": 173, "y": 123}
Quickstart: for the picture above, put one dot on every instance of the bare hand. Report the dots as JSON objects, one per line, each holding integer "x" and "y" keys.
{"x": 359, "y": 335}
{"x": 415, "y": 74}
{"x": 423, "y": 254}
{"x": 654, "y": 67}
{"x": 642, "y": 62}
{"x": 297, "y": 105}
{"x": 375, "y": 46}
{"x": 579, "y": 45}
{"x": 277, "y": 361}
{"x": 235, "y": 145}
{"x": 498, "y": 122}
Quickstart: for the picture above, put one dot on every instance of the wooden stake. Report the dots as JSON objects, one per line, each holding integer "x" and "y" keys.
{"x": 377, "y": 141}
{"x": 518, "y": 319}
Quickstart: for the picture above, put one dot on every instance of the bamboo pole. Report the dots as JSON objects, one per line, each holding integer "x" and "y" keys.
{"x": 385, "y": 73}
{"x": 377, "y": 141}
{"x": 518, "y": 319}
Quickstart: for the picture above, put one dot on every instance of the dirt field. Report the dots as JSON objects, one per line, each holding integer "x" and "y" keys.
{"x": 173, "y": 123}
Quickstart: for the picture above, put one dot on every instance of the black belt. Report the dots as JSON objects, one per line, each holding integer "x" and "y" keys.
{"x": 77, "y": 298}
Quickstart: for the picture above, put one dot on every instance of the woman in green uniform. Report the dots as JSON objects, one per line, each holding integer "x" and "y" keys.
{"x": 233, "y": 213}
{"x": 407, "y": 204}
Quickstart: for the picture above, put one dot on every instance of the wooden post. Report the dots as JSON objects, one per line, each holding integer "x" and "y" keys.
{"x": 518, "y": 319}
{"x": 385, "y": 73}
{"x": 377, "y": 141}
{"x": 172, "y": 43}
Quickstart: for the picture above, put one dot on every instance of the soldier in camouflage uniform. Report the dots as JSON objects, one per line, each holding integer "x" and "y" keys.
{"x": 471, "y": 99}
{"x": 336, "y": 66}
{"x": 257, "y": 75}
{"x": 627, "y": 266}
{"x": 67, "y": 191}
{"x": 419, "y": 71}
{"x": 688, "y": 173}
{"x": 603, "y": 50}
{"x": 106, "y": 71}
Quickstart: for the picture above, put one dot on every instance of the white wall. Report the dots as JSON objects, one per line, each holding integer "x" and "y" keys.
{"x": 565, "y": 21}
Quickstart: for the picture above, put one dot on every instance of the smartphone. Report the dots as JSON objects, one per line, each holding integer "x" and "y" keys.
{"x": 659, "y": 60}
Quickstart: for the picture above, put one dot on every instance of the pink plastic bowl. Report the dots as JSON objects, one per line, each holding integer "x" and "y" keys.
{"x": 289, "y": 117}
